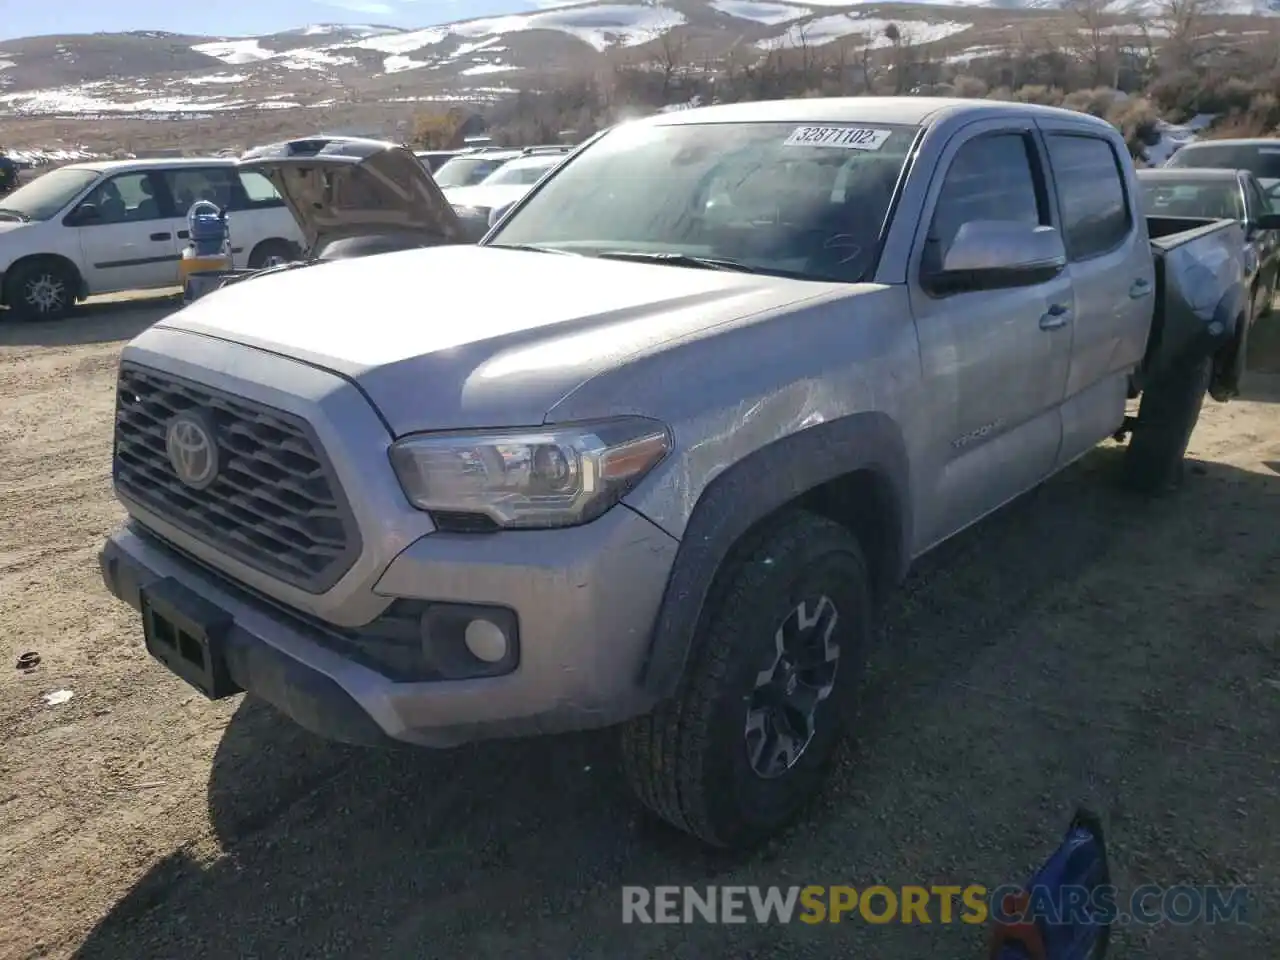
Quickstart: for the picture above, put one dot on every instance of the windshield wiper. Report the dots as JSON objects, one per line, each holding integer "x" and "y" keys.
{"x": 16, "y": 214}
{"x": 678, "y": 260}
{"x": 533, "y": 248}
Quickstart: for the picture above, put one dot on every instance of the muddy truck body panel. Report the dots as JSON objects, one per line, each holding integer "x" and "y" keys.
{"x": 722, "y": 353}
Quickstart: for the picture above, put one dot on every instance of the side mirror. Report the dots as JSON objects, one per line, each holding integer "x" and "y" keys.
{"x": 1267, "y": 221}
{"x": 85, "y": 214}
{"x": 994, "y": 254}
{"x": 497, "y": 213}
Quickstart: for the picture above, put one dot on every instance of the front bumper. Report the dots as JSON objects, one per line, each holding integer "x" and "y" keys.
{"x": 585, "y": 597}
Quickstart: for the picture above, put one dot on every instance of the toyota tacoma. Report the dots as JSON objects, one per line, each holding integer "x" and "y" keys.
{"x": 733, "y": 370}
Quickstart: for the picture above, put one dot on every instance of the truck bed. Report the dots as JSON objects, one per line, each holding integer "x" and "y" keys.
{"x": 1199, "y": 289}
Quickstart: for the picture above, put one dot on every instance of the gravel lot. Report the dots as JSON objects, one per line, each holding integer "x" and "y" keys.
{"x": 1080, "y": 645}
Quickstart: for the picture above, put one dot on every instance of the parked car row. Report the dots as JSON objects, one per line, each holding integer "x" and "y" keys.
{"x": 94, "y": 228}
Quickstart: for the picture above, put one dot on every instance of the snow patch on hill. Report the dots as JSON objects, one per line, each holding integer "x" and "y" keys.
{"x": 235, "y": 52}
{"x": 838, "y": 26}
{"x": 600, "y": 25}
{"x": 760, "y": 11}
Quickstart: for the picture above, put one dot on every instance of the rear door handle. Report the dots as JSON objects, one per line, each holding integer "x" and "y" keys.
{"x": 160, "y": 236}
{"x": 1140, "y": 288}
{"x": 1056, "y": 316}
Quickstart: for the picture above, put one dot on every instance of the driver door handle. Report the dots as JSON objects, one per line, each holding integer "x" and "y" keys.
{"x": 1141, "y": 288}
{"x": 1055, "y": 317}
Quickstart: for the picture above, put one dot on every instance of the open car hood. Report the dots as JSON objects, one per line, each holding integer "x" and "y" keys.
{"x": 343, "y": 187}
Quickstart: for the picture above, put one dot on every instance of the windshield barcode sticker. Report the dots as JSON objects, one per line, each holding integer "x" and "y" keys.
{"x": 849, "y": 138}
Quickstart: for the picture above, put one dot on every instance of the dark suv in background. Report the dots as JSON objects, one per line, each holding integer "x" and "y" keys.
{"x": 1260, "y": 156}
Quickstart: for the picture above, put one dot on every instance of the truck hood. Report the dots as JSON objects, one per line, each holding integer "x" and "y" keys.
{"x": 457, "y": 337}
{"x": 343, "y": 187}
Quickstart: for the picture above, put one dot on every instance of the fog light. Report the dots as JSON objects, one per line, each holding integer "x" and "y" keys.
{"x": 464, "y": 641}
{"x": 486, "y": 641}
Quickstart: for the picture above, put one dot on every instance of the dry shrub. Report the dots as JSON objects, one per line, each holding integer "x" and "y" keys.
{"x": 1137, "y": 119}
{"x": 439, "y": 130}
{"x": 1035, "y": 93}
{"x": 973, "y": 88}
{"x": 1098, "y": 102}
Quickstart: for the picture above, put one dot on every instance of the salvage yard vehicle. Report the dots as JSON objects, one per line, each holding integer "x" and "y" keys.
{"x": 734, "y": 369}
{"x": 480, "y": 206}
{"x": 349, "y": 197}
{"x": 1259, "y": 155}
{"x": 103, "y": 227}
{"x": 1198, "y": 196}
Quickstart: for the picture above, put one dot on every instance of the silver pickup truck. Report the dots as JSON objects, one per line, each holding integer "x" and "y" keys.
{"x": 653, "y": 452}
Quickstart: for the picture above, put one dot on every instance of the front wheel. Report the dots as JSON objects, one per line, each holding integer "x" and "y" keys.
{"x": 766, "y": 695}
{"x": 40, "y": 290}
{"x": 1167, "y": 415}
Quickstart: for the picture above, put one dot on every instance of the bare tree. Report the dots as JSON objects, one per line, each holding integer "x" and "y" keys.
{"x": 1093, "y": 33}
{"x": 900, "y": 44}
{"x": 1181, "y": 24}
{"x": 669, "y": 58}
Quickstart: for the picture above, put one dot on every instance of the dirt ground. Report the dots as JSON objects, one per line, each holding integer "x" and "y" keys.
{"x": 1080, "y": 645}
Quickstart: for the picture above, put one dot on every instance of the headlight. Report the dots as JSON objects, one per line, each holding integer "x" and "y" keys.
{"x": 472, "y": 213}
{"x": 559, "y": 476}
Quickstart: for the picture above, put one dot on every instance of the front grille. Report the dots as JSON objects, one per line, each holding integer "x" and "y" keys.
{"x": 273, "y": 503}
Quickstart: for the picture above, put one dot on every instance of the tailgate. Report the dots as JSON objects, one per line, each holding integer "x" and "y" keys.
{"x": 1201, "y": 300}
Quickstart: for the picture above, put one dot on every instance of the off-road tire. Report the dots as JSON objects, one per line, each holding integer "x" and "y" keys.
{"x": 18, "y": 290}
{"x": 688, "y": 762}
{"x": 1167, "y": 415}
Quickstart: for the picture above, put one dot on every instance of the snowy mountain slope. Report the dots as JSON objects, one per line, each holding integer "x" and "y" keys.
{"x": 153, "y": 73}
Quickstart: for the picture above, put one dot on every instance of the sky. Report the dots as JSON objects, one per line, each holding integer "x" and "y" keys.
{"x": 236, "y": 18}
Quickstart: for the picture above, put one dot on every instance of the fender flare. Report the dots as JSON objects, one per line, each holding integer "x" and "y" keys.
{"x": 754, "y": 488}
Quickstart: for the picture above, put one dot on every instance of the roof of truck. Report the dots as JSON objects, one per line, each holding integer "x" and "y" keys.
{"x": 916, "y": 111}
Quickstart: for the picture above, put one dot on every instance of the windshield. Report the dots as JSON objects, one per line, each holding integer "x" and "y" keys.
{"x": 1216, "y": 199}
{"x": 1262, "y": 161}
{"x": 784, "y": 198}
{"x": 46, "y": 195}
{"x": 466, "y": 171}
{"x": 521, "y": 172}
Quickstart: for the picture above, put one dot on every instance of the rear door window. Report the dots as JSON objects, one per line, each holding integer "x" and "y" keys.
{"x": 189, "y": 185}
{"x": 1091, "y": 190}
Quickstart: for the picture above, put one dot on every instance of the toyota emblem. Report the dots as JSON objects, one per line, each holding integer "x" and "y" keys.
{"x": 193, "y": 453}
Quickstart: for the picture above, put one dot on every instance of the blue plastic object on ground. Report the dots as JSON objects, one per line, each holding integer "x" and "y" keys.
{"x": 1068, "y": 929}
{"x": 207, "y": 226}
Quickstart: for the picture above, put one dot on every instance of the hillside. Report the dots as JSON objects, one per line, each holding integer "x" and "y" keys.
{"x": 77, "y": 88}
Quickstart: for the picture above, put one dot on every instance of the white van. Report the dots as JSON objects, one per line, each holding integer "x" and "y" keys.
{"x": 92, "y": 228}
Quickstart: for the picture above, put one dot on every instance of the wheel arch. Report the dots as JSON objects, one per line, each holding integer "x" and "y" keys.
{"x": 269, "y": 242}
{"x": 853, "y": 470}
{"x": 81, "y": 289}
